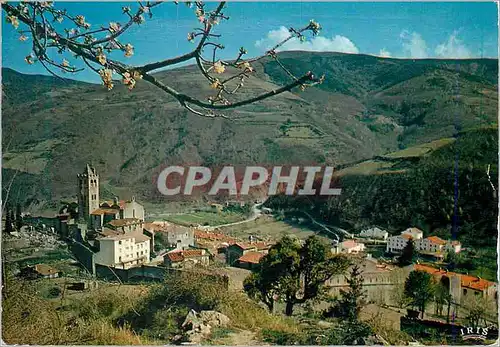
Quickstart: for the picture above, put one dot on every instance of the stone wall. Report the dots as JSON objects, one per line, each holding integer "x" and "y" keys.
{"x": 84, "y": 255}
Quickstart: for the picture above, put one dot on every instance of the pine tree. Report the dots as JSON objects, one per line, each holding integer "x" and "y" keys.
{"x": 408, "y": 254}
{"x": 8, "y": 221}
{"x": 352, "y": 298}
{"x": 350, "y": 302}
{"x": 419, "y": 289}
{"x": 19, "y": 218}
{"x": 352, "y": 330}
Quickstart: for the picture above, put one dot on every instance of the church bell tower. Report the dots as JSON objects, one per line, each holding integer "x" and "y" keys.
{"x": 88, "y": 192}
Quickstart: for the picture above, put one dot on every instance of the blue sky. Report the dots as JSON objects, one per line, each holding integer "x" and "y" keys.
{"x": 399, "y": 30}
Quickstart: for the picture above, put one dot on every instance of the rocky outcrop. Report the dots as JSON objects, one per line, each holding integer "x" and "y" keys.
{"x": 198, "y": 326}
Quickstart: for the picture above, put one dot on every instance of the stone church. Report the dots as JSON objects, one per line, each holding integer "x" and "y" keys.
{"x": 97, "y": 213}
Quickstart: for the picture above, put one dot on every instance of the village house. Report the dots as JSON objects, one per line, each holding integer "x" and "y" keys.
{"x": 122, "y": 249}
{"x": 126, "y": 225}
{"x": 40, "y": 271}
{"x": 172, "y": 235}
{"x": 395, "y": 244}
{"x": 374, "y": 233}
{"x": 249, "y": 260}
{"x": 348, "y": 247}
{"x": 237, "y": 250}
{"x": 431, "y": 245}
{"x": 186, "y": 258}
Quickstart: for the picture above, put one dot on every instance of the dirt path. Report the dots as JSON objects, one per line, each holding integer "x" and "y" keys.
{"x": 242, "y": 338}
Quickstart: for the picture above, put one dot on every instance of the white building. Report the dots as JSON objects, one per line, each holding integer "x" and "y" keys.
{"x": 395, "y": 244}
{"x": 416, "y": 234}
{"x": 122, "y": 250}
{"x": 431, "y": 244}
{"x": 348, "y": 247}
{"x": 434, "y": 244}
{"x": 375, "y": 233}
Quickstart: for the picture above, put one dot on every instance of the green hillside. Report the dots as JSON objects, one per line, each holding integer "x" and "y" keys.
{"x": 421, "y": 191}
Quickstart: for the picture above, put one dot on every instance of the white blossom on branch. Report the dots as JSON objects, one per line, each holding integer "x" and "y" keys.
{"x": 95, "y": 47}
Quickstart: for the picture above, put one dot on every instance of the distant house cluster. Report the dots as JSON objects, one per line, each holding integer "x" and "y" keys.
{"x": 431, "y": 245}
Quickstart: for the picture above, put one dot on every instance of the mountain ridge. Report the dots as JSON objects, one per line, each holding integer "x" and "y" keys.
{"x": 358, "y": 113}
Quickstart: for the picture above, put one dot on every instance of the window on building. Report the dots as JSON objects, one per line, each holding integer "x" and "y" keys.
{"x": 119, "y": 258}
{"x": 119, "y": 242}
{"x": 465, "y": 291}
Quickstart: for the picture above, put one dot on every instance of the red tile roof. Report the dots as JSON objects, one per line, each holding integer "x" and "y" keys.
{"x": 475, "y": 282}
{"x": 251, "y": 257}
{"x": 198, "y": 234}
{"x": 101, "y": 211}
{"x": 437, "y": 240}
{"x": 244, "y": 246}
{"x": 177, "y": 256}
{"x": 468, "y": 281}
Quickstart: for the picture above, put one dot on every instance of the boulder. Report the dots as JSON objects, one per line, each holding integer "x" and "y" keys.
{"x": 198, "y": 326}
{"x": 214, "y": 319}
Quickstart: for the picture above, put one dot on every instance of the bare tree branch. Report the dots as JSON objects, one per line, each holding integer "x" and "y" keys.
{"x": 92, "y": 46}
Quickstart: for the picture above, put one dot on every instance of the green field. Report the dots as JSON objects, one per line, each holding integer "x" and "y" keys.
{"x": 388, "y": 161}
{"x": 420, "y": 150}
{"x": 365, "y": 168}
{"x": 205, "y": 218}
{"x": 267, "y": 228}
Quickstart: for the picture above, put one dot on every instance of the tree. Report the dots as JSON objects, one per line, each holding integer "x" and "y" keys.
{"x": 19, "y": 218}
{"x": 479, "y": 310}
{"x": 407, "y": 254}
{"x": 55, "y": 31}
{"x": 352, "y": 330}
{"x": 398, "y": 278}
{"x": 419, "y": 289}
{"x": 294, "y": 273}
{"x": 442, "y": 297}
{"x": 8, "y": 221}
{"x": 350, "y": 302}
